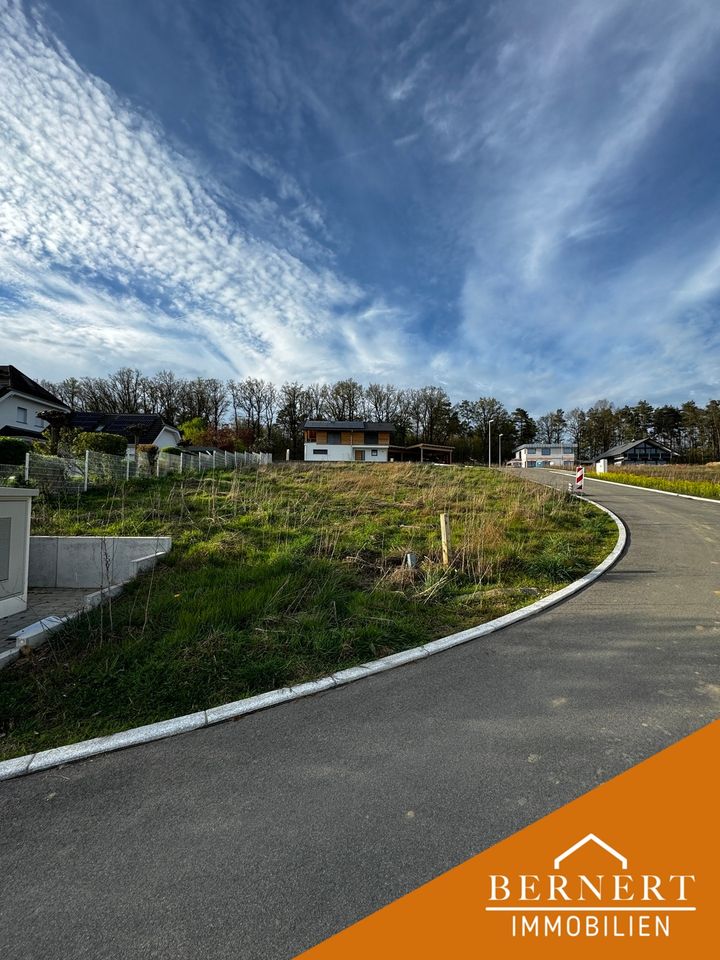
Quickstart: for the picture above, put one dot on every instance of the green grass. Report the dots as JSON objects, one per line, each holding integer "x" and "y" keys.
{"x": 696, "y": 481}
{"x": 282, "y": 575}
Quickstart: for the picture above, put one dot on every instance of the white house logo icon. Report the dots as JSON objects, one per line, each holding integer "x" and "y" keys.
{"x": 596, "y": 905}
{"x": 590, "y": 838}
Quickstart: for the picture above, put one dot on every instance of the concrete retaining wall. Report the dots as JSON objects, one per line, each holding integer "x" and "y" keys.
{"x": 91, "y": 561}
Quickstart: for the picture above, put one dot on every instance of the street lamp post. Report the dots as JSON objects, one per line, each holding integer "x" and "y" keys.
{"x": 500, "y": 436}
{"x": 490, "y": 423}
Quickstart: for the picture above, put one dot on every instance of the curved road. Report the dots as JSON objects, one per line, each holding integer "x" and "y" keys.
{"x": 259, "y": 838}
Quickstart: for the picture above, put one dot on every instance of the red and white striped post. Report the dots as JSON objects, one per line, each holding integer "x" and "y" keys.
{"x": 579, "y": 479}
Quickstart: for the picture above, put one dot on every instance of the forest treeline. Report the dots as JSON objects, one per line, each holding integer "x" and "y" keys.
{"x": 257, "y": 414}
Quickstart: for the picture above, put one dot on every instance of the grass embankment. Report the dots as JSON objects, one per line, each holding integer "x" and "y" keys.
{"x": 698, "y": 481}
{"x": 283, "y": 575}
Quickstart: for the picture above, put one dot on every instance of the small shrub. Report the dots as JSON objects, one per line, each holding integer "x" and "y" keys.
{"x": 100, "y": 443}
{"x": 177, "y": 450}
{"x": 12, "y": 450}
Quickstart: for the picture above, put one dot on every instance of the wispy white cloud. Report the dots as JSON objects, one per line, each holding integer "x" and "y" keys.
{"x": 93, "y": 190}
{"x": 555, "y": 142}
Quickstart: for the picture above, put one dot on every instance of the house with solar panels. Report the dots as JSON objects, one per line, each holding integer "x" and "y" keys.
{"x": 135, "y": 427}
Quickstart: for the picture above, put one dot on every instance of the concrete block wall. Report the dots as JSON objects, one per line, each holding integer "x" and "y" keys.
{"x": 91, "y": 561}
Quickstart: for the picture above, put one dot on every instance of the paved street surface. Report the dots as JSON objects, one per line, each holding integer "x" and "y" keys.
{"x": 258, "y": 838}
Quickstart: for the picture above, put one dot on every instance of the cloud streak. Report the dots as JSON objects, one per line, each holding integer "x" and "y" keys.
{"x": 92, "y": 190}
{"x": 557, "y": 131}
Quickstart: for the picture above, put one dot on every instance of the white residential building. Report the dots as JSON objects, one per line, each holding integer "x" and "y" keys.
{"x": 543, "y": 455}
{"x": 338, "y": 440}
{"x": 22, "y": 400}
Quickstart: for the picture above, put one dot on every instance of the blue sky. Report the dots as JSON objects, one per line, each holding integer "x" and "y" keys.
{"x": 517, "y": 199}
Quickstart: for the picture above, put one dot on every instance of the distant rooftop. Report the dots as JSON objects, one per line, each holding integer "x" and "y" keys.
{"x": 146, "y": 426}
{"x": 348, "y": 425}
{"x": 624, "y": 447}
{"x": 540, "y": 443}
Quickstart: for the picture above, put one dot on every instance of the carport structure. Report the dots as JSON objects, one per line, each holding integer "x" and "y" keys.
{"x": 422, "y": 453}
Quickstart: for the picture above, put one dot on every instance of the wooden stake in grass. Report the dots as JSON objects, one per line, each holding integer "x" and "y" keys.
{"x": 445, "y": 535}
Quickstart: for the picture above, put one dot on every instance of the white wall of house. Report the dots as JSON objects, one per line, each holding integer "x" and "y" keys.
{"x": 168, "y": 437}
{"x": 338, "y": 452}
{"x": 544, "y": 455}
{"x": 20, "y": 412}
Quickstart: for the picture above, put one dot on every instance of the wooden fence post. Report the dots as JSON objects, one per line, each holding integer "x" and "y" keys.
{"x": 445, "y": 535}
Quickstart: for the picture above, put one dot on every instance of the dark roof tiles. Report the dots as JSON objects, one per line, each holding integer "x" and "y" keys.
{"x": 624, "y": 447}
{"x": 13, "y": 379}
{"x": 148, "y": 425}
{"x": 347, "y": 425}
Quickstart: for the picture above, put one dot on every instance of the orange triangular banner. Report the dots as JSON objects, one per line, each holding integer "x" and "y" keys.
{"x": 630, "y": 867}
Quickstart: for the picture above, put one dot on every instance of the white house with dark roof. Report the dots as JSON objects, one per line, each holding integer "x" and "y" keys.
{"x": 135, "y": 427}
{"x": 646, "y": 450}
{"x": 345, "y": 440}
{"x": 22, "y": 400}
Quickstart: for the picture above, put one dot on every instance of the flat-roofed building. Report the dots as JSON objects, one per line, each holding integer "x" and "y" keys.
{"x": 347, "y": 440}
{"x": 543, "y": 455}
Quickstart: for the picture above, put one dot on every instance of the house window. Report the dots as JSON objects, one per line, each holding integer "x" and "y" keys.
{"x": 531, "y": 450}
{"x": 39, "y": 422}
{"x": 373, "y": 453}
{"x": 21, "y": 415}
{"x": 545, "y": 451}
{"x": 333, "y": 436}
{"x": 568, "y": 450}
{"x": 318, "y": 452}
{"x": 531, "y": 463}
{"x": 311, "y": 436}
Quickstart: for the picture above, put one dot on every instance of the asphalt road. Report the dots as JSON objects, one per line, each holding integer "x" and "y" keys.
{"x": 259, "y": 838}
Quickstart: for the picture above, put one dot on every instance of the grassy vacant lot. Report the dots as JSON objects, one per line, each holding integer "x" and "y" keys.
{"x": 699, "y": 481}
{"x": 284, "y": 575}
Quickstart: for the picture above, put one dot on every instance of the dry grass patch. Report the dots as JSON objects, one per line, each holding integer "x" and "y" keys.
{"x": 695, "y": 480}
